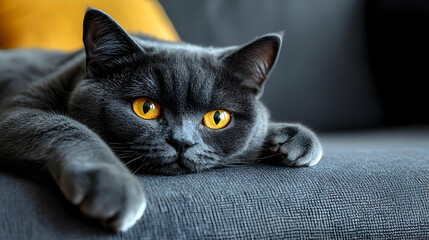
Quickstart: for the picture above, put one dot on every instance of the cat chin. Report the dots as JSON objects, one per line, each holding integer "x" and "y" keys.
{"x": 175, "y": 169}
{"x": 169, "y": 169}
{"x": 177, "y": 166}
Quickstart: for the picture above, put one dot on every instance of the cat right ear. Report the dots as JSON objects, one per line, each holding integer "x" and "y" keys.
{"x": 107, "y": 45}
{"x": 252, "y": 63}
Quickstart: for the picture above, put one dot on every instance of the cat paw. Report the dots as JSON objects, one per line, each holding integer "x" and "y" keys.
{"x": 293, "y": 145}
{"x": 112, "y": 195}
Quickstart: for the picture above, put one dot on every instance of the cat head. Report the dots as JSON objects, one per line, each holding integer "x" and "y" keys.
{"x": 172, "y": 108}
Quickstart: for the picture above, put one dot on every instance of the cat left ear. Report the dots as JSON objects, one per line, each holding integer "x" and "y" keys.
{"x": 252, "y": 63}
{"x": 106, "y": 44}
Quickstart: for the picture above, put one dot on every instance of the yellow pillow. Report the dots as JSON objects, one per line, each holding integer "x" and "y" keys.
{"x": 57, "y": 24}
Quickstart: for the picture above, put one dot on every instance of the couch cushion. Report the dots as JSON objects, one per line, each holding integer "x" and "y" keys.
{"x": 368, "y": 185}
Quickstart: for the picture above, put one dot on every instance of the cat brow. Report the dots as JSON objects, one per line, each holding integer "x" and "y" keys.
{"x": 143, "y": 86}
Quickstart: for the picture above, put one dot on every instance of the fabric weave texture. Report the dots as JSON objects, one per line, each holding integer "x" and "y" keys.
{"x": 371, "y": 185}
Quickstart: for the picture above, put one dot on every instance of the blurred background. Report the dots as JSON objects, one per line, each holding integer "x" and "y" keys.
{"x": 345, "y": 64}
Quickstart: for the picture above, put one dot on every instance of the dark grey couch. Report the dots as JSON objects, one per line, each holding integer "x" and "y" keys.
{"x": 369, "y": 185}
{"x": 334, "y": 74}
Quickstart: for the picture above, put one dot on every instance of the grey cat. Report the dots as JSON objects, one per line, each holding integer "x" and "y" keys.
{"x": 128, "y": 104}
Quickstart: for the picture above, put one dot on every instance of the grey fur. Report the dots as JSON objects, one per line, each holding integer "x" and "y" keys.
{"x": 71, "y": 115}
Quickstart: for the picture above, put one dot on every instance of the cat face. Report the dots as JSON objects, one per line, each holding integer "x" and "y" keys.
{"x": 171, "y": 108}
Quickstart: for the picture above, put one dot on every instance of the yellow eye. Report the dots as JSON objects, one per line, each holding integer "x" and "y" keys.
{"x": 217, "y": 119}
{"x": 146, "y": 108}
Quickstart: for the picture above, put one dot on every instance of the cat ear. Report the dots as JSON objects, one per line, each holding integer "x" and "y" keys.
{"x": 106, "y": 44}
{"x": 253, "y": 62}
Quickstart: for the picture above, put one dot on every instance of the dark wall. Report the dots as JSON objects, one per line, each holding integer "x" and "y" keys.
{"x": 399, "y": 55}
{"x": 323, "y": 76}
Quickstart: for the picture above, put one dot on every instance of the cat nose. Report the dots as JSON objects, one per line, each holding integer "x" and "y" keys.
{"x": 180, "y": 144}
{"x": 181, "y": 136}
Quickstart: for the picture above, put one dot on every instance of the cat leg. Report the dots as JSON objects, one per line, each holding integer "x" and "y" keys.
{"x": 84, "y": 167}
{"x": 292, "y": 145}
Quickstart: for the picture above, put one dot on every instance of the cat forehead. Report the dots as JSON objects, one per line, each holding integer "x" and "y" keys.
{"x": 180, "y": 69}
{"x": 181, "y": 85}
{"x": 185, "y": 80}
{"x": 181, "y": 47}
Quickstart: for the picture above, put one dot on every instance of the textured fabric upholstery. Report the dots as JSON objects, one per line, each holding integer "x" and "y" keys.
{"x": 368, "y": 185}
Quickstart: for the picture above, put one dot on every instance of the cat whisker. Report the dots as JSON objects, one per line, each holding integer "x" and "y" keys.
{"x": 134, "y": 159}
{"x": 143, "y": 164}
{"x": 124, "y": 152}
{"x": 134, "y": 149}
{"x": 119, "y": 147}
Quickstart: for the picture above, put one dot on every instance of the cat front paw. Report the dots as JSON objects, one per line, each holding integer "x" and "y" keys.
{"x": 293, "y": 145}
{"x": 112, "y": 195}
